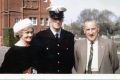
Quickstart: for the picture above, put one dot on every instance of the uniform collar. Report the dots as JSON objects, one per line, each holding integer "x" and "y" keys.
{"x": 54, "y": 32}
{"x": 89, "y": 42}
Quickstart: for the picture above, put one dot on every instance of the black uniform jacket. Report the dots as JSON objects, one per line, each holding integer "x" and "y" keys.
{"x": 56, "y": 56}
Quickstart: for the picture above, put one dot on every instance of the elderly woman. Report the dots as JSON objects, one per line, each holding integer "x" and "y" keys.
{"x": 20, "y": 57}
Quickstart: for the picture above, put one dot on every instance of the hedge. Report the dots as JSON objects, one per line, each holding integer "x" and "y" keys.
{"x": 8, "y": 37}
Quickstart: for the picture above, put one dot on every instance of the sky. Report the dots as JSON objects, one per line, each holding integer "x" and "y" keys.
{"x": 74, "y": 7}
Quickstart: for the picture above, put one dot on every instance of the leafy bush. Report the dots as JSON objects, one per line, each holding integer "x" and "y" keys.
{"x": 8, "y": 37}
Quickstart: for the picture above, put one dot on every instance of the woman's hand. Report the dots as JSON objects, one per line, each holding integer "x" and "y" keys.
{"x": 28, "y": 71}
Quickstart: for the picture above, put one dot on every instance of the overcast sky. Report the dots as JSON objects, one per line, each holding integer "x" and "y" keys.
{"x": 74, "y": 7}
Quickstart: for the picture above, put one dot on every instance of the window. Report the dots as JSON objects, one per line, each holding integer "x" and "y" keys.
{"x": 47, "y": 22}
{"x": 26, "y": 3}
{"x": 31, "y": 4}
{"x": 34, "y": 4}
{"x": 45, "y": 0}
{"x": 17, "y": 19}
{"x": 42, "y": 22}
{"x": 34, "y": 20}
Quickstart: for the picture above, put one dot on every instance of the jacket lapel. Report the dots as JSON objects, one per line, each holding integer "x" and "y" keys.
{"x": 62, "y": 34}
{"x": 84, "y": 53}
{"x": 50, "y": 34}
{"x": 100, "y": 51}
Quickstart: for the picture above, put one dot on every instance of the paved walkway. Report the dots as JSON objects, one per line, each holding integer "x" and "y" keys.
{"x": 3, "y": 50}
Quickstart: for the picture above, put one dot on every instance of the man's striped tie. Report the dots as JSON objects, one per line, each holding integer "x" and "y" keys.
{"x": 90, "y": 58}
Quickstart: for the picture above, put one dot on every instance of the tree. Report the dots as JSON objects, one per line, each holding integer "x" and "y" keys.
{"x": 109, "y": 23}
{"x": 87, "y": 14}
{"x": 105, "y": 18}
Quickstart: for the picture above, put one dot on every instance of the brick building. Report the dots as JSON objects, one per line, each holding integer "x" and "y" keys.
{"x": 12, "y": 11}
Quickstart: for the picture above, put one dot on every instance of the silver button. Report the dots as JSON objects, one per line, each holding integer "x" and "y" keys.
{"x": 58, "y": 53}
{"x": 58, "y": 45}
{"x": 58, "y": 70}
{"x": 47, "y": 48}
{"x": 67, "y": 48}
{"x": 58, "y": 62}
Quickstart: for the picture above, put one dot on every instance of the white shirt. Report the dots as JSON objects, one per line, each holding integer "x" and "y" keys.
{"x": 94, "y": 66}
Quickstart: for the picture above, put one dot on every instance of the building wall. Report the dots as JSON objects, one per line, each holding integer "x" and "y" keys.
{"x": 0, "y": 21}
{"x": 0, "y": 16}
{"x": 12, "y": 11}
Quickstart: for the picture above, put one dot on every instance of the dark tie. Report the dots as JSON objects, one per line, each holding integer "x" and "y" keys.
{"x": 90, "y": 58}
{"x": 56, "y": 36}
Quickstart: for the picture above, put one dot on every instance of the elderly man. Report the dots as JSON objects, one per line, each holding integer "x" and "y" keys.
{"x": 95, "y": 54}
{"x": 56, "y": 43}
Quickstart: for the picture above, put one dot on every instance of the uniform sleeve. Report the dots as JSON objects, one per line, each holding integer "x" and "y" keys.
{"x": 76, "y": 57}
{"x": 73, "y": 57}
{"x": 36, "y": 40}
